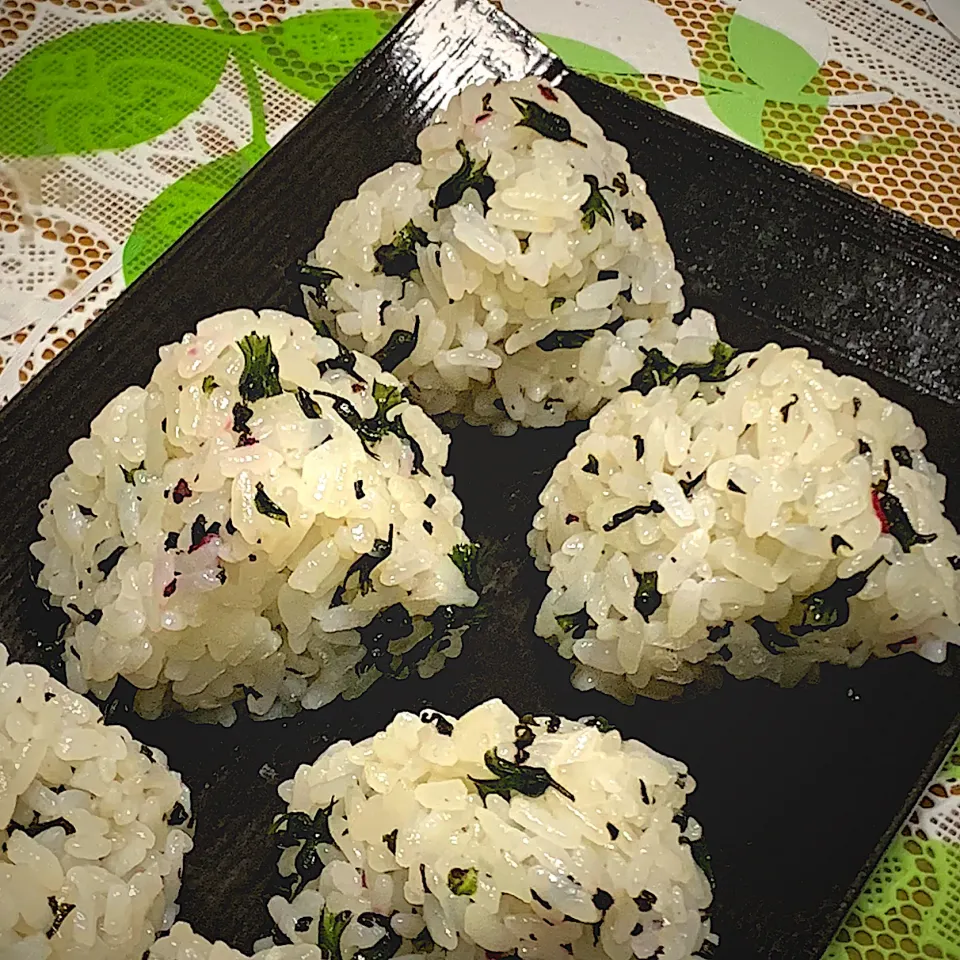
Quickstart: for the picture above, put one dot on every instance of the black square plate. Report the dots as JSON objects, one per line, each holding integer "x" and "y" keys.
{"x": 799, "y": 790}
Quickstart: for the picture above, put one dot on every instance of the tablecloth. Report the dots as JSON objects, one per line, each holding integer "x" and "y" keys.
{"x": 122, "y": 121}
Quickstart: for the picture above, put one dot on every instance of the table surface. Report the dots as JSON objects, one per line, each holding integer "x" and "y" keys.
{"x": 122, "y": 121}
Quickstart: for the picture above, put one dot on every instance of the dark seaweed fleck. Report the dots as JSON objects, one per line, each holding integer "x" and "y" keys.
{"x": 564, "y": 339}
{"x": 830, "y": 607}
{"x": 309, "y": 406}
{"x": 523, "y": 738}
{"x": 902, "y": 455}
{"x": 771, "y": 639}
{"x": 529, "y": 781}
{"x": 719, "y": 632}
{"x": 646, "y": 901}
{"x": 470, "y": 175}
{"x": 898, "y": 522}
{"x": 398, "y": 348}
{"x": 592, "y": 465}
{"x": 733, "y": 488}
{"x": 363, "y": 567}
{"x": 261, "y": 369}
{"x": 601, "y": 723}
{"x": 106, "y": 565}
{"x": 623, "y": 516}
{"x": 128, "y": 475}
{"x": 201, "y": 534}
{"x": 836, "y": 542}
{"x": 345, "y": 360}
{"x": 785, "y": 409}
{"x": 647, "y": 598}
{"x": 268, "y": 508}
{"x": 536, "y": 896}
{"x": 60, "y": 913}
{"x": 687, "y": 485}
{"x": 638, "y": 440}
{"x": 443, "y": 725}
{"x": 576, "y": 624}
{"x": 553, "y": 126}
{"x": 399, "y": 259}
{"x": 317, "y": 277}
{"x": 38, "y": 827}
{"x": 390, "y": 839}
{"x": 358, "y": 489}
{"x": 241, "y": 417}
{"x": 596, "y": 204}
{"x": 466, "y": 556}
{"x": 299, "y": 829}
{"x": 613, "y": 831}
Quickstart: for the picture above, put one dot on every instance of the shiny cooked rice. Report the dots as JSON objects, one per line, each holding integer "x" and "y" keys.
{"x": 531, "y": 267}
{"x": 226, "y": 533}
{"x": 93, "y": 827}
{"x": 781, "y": 518}
{"x": 489, "y": 836}
{"x": 183, "y": 944}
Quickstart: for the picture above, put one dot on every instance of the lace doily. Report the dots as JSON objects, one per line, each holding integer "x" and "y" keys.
{"x": 864, "y": 92}
{"x": 121, "y": 123}
{"x": 910, "y": 906}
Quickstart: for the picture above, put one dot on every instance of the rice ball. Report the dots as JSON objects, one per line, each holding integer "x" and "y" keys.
{"x": 763, "y": 515}
{"x": 492, "y": 835}
{"x": 267, "y": 520}
{"x": 515, "y": 274}
{"x": 94, "y": 827}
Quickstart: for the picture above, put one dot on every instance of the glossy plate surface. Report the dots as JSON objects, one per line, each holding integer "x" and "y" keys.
{"x": 799, "y": 789}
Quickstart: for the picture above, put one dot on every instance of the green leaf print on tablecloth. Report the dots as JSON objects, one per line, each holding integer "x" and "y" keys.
{"x": 175, "y": 210}
{"x": 601, "y": 65}
{"x": 770, "y": 91}
{"x": 311, "y": 53}
{"x": 113, "y": 85}
{"x": 585, "y": 58}
{"x": 781, "y": 67}
{"x": 107, "y": 87}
